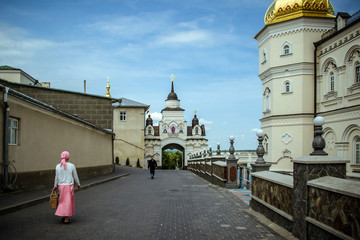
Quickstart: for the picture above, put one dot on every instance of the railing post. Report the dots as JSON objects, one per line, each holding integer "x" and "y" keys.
{"x": 231, "y": 164}
{"x": 260, "y": 164}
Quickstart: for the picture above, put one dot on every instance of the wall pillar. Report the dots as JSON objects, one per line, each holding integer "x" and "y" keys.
{"x": 231, "y": 173}
{"x": 305, "y": 169}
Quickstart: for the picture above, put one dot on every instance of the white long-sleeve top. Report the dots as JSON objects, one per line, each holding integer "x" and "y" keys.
{"x": 66, "y": 177}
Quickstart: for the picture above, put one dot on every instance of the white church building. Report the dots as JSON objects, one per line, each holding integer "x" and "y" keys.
{"x": 309, "y": 65}
{"x": 172, "y": 132}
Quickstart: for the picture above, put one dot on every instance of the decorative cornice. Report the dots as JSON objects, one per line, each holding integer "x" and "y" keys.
{"x": 329, "y": 48}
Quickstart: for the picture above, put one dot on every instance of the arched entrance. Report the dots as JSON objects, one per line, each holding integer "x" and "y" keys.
{"x": 173, "y": 156}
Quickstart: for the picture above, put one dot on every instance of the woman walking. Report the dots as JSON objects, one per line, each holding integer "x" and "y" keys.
{"x": 65, "y": 175}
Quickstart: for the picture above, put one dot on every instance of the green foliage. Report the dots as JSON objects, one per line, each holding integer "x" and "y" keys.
{"x": 117, "y": 160}
{"x": 171, "y": 159}
{"x": 138, "y": 163}
{"x": 127, "y": 162}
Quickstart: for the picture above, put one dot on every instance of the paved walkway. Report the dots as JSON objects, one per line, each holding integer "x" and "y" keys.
{"x": 174, "y": 205}
{"x": 13, "y": 201}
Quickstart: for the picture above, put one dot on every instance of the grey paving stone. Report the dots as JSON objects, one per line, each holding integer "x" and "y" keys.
{"x": 174, "y": 205}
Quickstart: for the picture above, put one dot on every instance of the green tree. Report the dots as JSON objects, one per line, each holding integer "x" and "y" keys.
{"x": 138, "y": 163}
{"x": 171, "y": 159}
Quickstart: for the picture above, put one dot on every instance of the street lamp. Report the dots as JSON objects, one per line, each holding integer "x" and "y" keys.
{"x": 260, "y": 149}
{"x": 318, "y": 142}
{"x": 231, "y": 149}
{"x": 218, "y": 149}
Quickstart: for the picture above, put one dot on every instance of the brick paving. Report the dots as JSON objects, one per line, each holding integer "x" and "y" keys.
{"x": 174, "y": 205}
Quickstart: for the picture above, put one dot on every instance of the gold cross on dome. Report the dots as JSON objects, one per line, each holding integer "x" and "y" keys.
{"x": 172, "y": 77}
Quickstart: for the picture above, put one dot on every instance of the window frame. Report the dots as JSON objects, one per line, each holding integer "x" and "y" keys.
{"x": 286, "y": 49}
{"x": 287, "y": 87}
{"x": 357, "y": 150}
{"x": 332, "y": 81}
{"x": 267, "y": 100}
{"x": 357, "y": 73}
{"x": 264, "y": 56}
{"x": 15, "y": 130}
{"x": 123, "y": 116}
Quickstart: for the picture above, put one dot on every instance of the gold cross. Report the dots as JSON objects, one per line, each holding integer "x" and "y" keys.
{"x": 172, "y": 77}
{"x": 195, "y": 112}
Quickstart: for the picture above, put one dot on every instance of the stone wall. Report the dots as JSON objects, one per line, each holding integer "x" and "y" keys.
{"x": 95, "y": 109}
{"x": 276, "y": 195}
{"x": 334, "y": 204}
{"x": 319, "y": 204}
{"x": 211, "y": 169}
{"x": 272, "y": 195}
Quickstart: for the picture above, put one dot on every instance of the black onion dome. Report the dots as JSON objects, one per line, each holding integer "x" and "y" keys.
{"x": 172, "y": 95}
{"x": 149, "y": 121}
{"x": 195, "y": 121}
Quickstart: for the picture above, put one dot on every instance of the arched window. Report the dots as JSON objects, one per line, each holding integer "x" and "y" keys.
{"x": 357, "y": 72}
{"x": 266, "y": 143}
{"x": 267, "y": 99}
{"x": 149, "y": 131}
{"x": 357, "y": 151}
{"x": 264, "y": 56}
{"x": 332, "y": 82}
{"x": 196, "y": 130}
{"x": 287, "y": 88}
{"x": 286, "y": 49}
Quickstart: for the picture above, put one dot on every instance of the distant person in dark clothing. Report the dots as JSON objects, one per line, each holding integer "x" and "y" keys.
{"x": 152, "y": 165}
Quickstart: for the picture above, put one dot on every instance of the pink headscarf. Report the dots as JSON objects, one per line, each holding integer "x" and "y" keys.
{"x": 64, "y": 156}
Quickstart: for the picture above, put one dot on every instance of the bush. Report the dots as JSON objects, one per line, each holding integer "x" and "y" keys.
{"x": 138, "y": 163}
{"x": 117, "y": 160}
{"x": 127, "y": 162}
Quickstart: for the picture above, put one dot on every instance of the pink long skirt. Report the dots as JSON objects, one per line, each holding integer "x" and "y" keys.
{"x": 66, "y": 206}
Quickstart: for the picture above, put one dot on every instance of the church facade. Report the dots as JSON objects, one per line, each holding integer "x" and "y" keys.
{"x": 172, "y": 132}
{"x": 309, "y": 66}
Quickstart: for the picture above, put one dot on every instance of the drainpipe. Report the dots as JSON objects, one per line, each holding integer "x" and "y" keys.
{"x": 315, "y": 79}
{"x": 6, "y": 140}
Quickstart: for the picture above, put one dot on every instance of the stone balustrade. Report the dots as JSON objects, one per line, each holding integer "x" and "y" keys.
{"x": 212, "y": 168}
{"x": 317, "y": 202}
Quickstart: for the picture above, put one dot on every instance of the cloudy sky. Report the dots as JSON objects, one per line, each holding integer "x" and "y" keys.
{"x": 207, "y": 44}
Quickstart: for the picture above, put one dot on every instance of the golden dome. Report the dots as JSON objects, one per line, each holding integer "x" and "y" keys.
{"x": 283, "y": 10}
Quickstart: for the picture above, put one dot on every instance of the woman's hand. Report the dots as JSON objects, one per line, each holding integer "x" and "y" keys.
{"x": 79, "y": 186}
{"x": 54, "y": 189}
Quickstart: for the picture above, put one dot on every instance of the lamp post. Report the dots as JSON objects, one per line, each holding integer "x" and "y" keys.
{"x": 210, "y": 151}
{"x": 260, "y": 164}
{"x": 260, "y": 149}
{"x": 218, "y": 149}
{"x": 231, "y": 149}
{"x": 318, "y": 142}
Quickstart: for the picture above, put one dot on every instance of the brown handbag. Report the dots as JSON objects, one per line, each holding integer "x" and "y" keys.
{"x": 53, "y": 200}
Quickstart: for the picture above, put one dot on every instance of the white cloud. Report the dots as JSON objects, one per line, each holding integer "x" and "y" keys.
{"x": 197, "y": 37}
{"x": 135, "y": 26}
{"x": 205, "y": 122}
{"x": 156, "y": 117}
